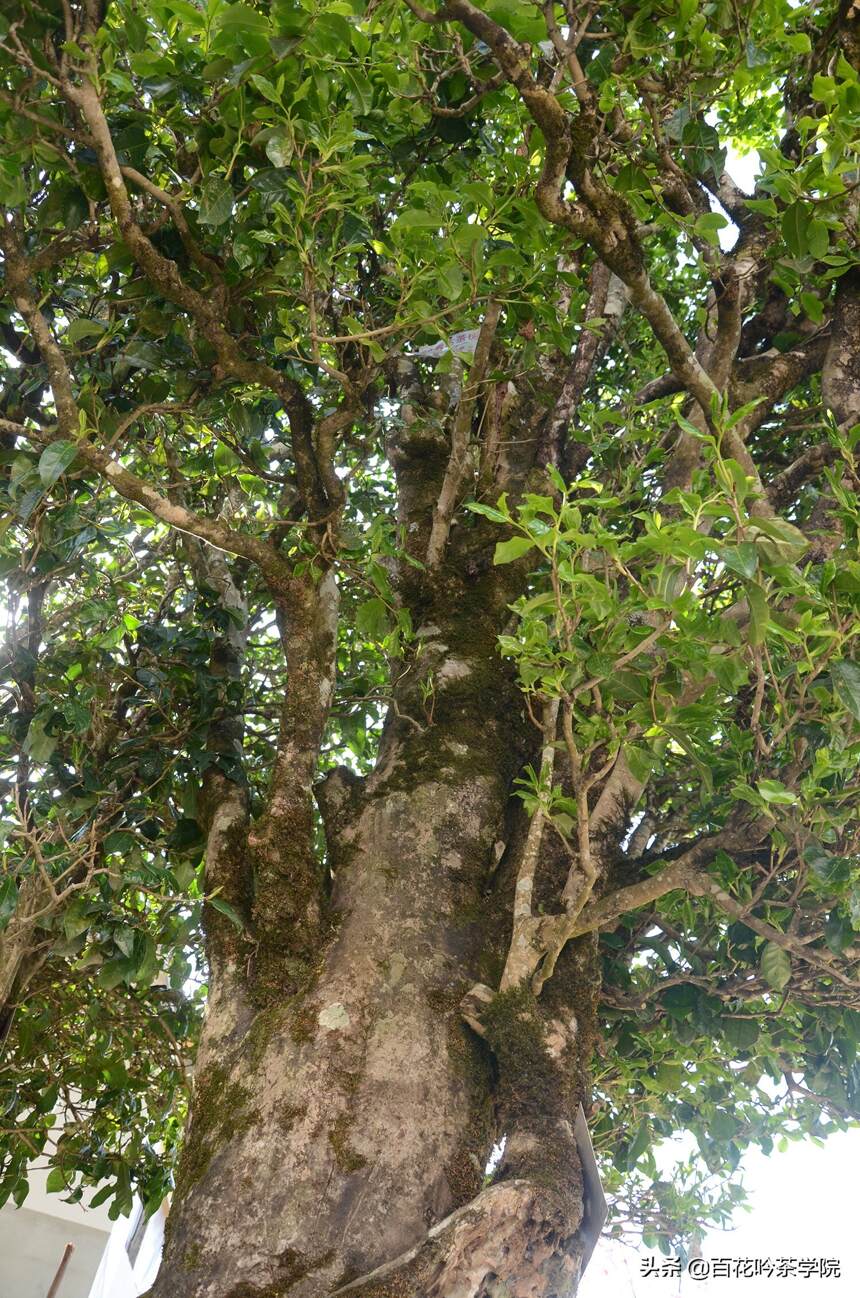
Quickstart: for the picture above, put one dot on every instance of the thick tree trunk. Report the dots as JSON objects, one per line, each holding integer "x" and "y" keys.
{"x": 344, "y": 1111}
{"x": 332, "y": 1132}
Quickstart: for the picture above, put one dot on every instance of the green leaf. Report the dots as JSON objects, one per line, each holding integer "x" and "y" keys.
{"x": 476, "y": 507}
{"x": 639, "y": 1144}
{"x": 216, "y": 202}
{"x": 54, "y": 461}
{"x": 38, "y": 744}
{"x": 826, "y": 867}
{"x": 415, "y": 218}
{"x": 114, "y": 971}
{"x": 764, "y": 205}
{"x": 8, "y": 900}
{"x": 271, "y": 182}
{"x": 681, "y": 1000}
{"x": 240, "y": 23}
{"x": 83, "y": 328}
{"x": 741, "y": 1033}
{"x": 774, "y": 792}
{"x": 13, "y": 191}
{"x": 669, "y": 1077}
{"x": 372, "y": 620}
{"x": 641, "y": 762}
{"x": 189, "y": 12}
{"x": 759, "y": 613}
{"x": 451, "y": 281}
{"x": 101, "y": 1196}
{"x": 266, "y": 89}
{"x": 854, "y": 907}
{"x": 144, "y": 961}
{"x": 143, "y": 355}
{"x": 279, "y": 149}
{"x": 55, "y": 1181}
{"x": 735, "y": 418}
{"x": 813, "y": 306}
{"x": 778, "y": 540}
{"x": 838, "y": 933}
{"x": 184, "y": 873}
{"x": 124, "y": 939}
{"x": 795, "y": 221}
{"x": 709, "y": 225}
{"x": 798, "y": 42}
{"x": 818, "y": 238}
{"x": 742, "y": 558}
{"x": 776, "y": 966}
{"x": 77, "y": 918}
{"x": 723, "y": 1125}
{"x": 515, "y": 548}
{"x": 226, "y": 909}
{"x": 845, "y": 676}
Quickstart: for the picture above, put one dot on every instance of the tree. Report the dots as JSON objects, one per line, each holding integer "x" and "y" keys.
{"x": 431, "y": 549}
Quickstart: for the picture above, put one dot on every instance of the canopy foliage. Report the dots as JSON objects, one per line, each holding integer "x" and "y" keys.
{"x": 244, "y": 246}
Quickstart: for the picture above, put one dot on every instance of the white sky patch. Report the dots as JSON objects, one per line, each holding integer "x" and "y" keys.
{"x": 743, "y": 169}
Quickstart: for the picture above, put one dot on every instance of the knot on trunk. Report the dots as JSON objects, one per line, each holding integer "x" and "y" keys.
{"x": 474, "y": 1005}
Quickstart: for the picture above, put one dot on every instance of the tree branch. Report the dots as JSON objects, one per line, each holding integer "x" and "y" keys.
{"x": 700, "y": 885}
{"x": 524, "y": 953}
{"x": 125, "y": 482}
{"x": 164, "y": 275}
{"x": 601, "y": 218}
{"x": 457, "y": 461}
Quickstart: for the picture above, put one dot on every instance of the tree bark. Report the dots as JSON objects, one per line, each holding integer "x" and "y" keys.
{"x": 344, "y": 1123}
{"x": 333, "y": 1131}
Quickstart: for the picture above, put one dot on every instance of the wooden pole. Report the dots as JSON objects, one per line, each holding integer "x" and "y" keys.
{"x": 61, "y": 1271}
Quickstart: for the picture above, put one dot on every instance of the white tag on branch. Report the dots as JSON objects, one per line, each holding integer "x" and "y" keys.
{"x": 464, "y": 342}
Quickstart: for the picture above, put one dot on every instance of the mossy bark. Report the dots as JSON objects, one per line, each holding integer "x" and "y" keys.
{"x": 344, "y": 1112}
{"x": 335, "y": 1126}
{"x": 369, "y": 1063}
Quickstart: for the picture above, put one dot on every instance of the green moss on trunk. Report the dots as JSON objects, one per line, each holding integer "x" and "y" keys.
{"x": 221, "y": 1110}
{"x": 347, "y": 1159}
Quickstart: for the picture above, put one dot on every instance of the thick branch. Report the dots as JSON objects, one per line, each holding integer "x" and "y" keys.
{"x": 525, "y": 952}
{"x": 601, "y": 218}
{"x": 607, "y": 300}
{"x": 602, "y": 913}
{"x": 458, "y": 461}
{"x": 810, "y": 462}
{"x": 841, "y": 379}
{"x": 288, "y": 871}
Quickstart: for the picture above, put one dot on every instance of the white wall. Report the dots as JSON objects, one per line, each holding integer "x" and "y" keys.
{"x": 31, "y": 1249}
{"x": 33, "y": 1237}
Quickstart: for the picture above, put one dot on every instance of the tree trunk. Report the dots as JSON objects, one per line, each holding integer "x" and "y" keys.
{"x": 336, "y": 1131}
{"x": 346, "y": 1103}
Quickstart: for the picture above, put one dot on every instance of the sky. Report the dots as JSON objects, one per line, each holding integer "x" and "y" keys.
{"x": 743, "y": 169}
